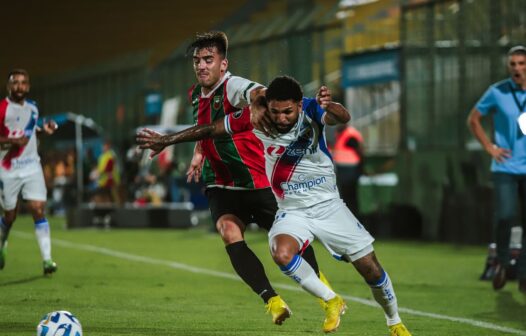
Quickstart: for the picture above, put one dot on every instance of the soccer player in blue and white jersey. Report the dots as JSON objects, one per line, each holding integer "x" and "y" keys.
{"x": 20, "y": 169}
{"x": 301, "y": 173}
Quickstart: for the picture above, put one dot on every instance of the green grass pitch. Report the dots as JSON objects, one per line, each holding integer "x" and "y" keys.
{"x": 180, "y": 282}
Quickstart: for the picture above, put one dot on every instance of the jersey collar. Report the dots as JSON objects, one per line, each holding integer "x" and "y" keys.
{"x": 13, "y": 102}
{"x": 225, "y": 77}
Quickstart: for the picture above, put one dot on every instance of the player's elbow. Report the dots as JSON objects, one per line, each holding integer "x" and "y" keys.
{"x": 473, "y": 119}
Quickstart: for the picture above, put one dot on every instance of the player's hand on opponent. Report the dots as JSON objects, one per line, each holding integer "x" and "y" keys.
{"x": 499, "y": 154}
{"x": 324, "y": 97}
{"x": 260, "y": 119}
{"x": 194, "y": 171}
{"x": 149, "y": 139}
{"x": 50, "y": 127}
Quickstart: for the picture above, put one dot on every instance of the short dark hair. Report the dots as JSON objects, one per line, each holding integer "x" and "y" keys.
{"x": 517, "y": 50}
{"x": 211, "y": 39}
{"x": 284, "y": 88}
{"x": 17, "y": 72}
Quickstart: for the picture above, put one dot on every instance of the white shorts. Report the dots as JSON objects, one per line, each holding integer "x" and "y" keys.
{"x": 332, "y": 223}
{"x": 32, "y": 186}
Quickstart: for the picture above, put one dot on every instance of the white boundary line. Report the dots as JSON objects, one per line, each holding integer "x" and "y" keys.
{"x": 198, "y": 270}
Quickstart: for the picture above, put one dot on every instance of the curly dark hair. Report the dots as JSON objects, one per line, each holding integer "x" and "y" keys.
{"x": 284, "y": 88}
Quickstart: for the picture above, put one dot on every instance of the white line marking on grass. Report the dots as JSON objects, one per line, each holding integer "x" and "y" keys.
{"x": 199, "y": 270}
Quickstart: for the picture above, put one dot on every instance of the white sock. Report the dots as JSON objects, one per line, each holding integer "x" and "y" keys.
{"x": 384, "y": 294}
{"x": 300, "y": 271}
{"x": 43, "y": 237}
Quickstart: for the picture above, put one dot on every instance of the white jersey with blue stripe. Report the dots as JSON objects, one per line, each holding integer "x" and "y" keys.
{"x": 19, "y": 120}
{"x": 298, "y": 163}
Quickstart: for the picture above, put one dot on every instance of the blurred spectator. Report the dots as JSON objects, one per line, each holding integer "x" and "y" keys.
{"x": 348, "y": 160}
{"x": 89, "y": 168}
{"x": 108, "y": 176}
{"x": 59, "y": 184}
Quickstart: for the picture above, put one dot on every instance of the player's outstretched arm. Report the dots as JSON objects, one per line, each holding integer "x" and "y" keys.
{"x": 21, "y": 141}
{"x": 149, "y": 139}
{"x": 336, "y": 112}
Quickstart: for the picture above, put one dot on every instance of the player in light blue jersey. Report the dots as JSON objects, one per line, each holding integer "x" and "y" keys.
{"x": 505, "y": 102}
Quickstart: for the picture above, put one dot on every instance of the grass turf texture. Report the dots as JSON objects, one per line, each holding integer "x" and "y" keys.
{"x": 115, "y": 296}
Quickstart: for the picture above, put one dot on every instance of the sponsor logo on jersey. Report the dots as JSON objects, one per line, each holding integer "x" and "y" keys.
{"x": 275, "y": 150}
{"x": 279, "y": 150}
{"x": 303, "y": 186}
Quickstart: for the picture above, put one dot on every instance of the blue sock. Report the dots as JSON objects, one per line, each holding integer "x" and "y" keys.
{"x": 383, "y": 293}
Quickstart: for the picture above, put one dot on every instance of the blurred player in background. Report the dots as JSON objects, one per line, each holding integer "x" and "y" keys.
{"x": 507, "y": 99}
{"x": 20, "y": 170}
{"x": 232, "y": 167}
{"x": 301, "y": 172}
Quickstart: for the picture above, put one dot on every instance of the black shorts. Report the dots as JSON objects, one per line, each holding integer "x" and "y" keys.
{"x": 251, "y": 206}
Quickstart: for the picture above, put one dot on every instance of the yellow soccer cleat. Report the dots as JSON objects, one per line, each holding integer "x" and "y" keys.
{"x": 326, "y": 282}
{"x": 278, "y": 309}
{"x": 334, "y": 309}
{"x": 399, "y": 329}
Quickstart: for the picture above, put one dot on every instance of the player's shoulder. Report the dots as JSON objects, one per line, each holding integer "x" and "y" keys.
{"x": 501, "y": 86}
{"x": 310, "y": 105}
{"x": 240, "y": 81}
{"x": 32, "y": 103}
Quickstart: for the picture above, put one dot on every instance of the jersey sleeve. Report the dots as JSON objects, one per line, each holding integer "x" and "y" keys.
{"x": 486, "y": 102}
{"x": 4, "y": 132}
{"x": 238, "y": 91}
{"x": 29, "y": 129}
{"x": 313, "y": 110}
{"x": 238, "y": 121}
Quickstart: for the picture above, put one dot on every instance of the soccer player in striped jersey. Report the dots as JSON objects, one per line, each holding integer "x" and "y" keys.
{"x": 20, "y": 170}
{"x": 301, "y": 172}
{"x": 232, "y": 166}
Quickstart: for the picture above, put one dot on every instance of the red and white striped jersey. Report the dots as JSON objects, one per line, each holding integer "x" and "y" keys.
{"x": 231, "y": 161}
{"x": 15, "y": 121}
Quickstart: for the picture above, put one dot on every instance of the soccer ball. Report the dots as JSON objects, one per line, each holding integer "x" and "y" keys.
{"x": 59, "y": 323}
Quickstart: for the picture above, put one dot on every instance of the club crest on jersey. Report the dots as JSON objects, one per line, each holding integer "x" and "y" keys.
{"x": 237, "y": 114}
{"x": 217, "y": 102}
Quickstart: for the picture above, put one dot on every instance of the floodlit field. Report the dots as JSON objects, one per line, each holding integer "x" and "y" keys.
{"x": 168, "y": 282}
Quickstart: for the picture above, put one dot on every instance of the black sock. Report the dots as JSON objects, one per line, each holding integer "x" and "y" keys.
{"x": 250, "y": 269}
{"x": 308, "y": 255}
